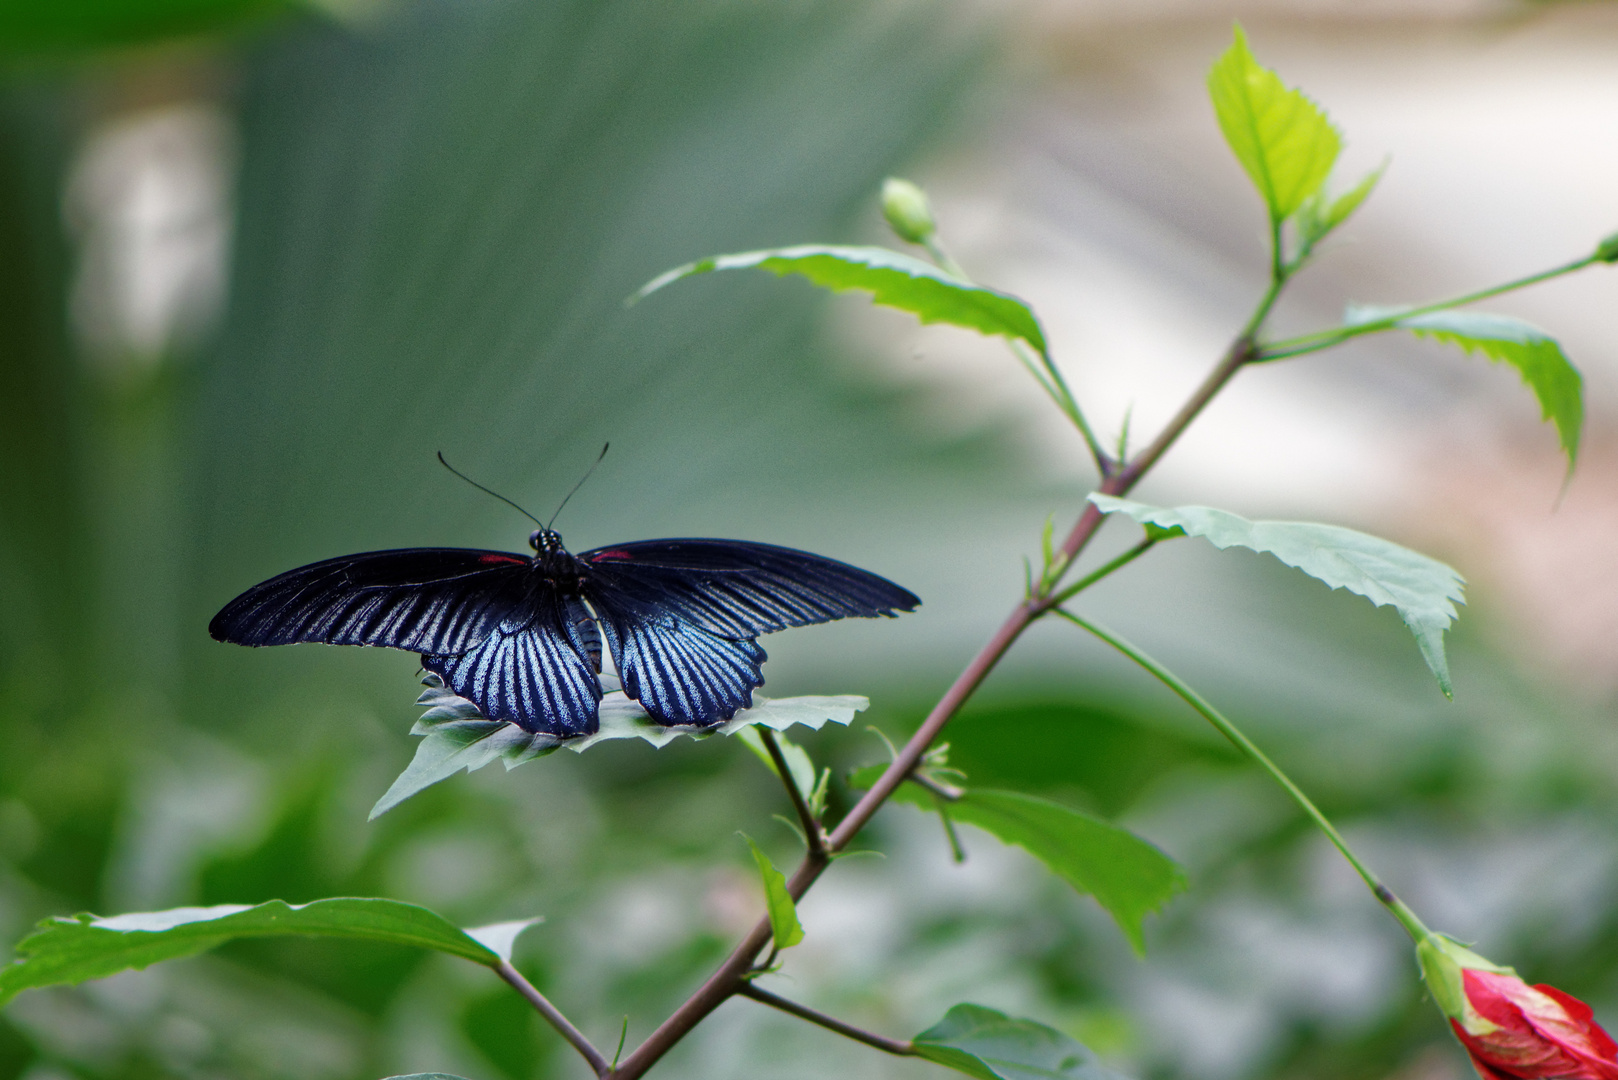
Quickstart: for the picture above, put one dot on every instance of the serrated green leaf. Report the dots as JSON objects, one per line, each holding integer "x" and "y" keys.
{"x": 784, "y": 924}
{"x": 454, "y": 735}
{"x": 1319, "y": 215}
{"x": 802, "y": 769}
{"x": 1423, "y": 590}
{"x": 1536, "y": 355}
{"x": 1282, "y": 139}
{"x": 72, "y": 950}
{"x": 990, "y": 1045}
{"x": 891, "y": 277}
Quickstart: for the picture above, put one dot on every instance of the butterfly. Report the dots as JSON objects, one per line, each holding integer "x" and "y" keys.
{"x": 521, "y": 636}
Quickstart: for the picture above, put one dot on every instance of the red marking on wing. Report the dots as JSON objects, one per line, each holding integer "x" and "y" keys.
{"x": 611, "y": 554}
{"x": 500, "y": 560}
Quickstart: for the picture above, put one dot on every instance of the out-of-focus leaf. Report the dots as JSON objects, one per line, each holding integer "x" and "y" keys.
{"x": 990, "y": 1045}
{"x": 1422, "y": 589}
{"x": 891, "y": 277}
{"x": 501, "y": 938}
{"x": 27, "y": 25}
{"x": 1128, "y": 876}
{"x": 1319, "y": 215}
{"x": 71, "y": 950}
{"x": 425, "y": 1076}
{"x": 784, "y": 924}
{"x": 455, "y": 735}
{"x": 1281, "y": 138}
{"x": 1536, "y": 355}
{"x": 798, "y": 764}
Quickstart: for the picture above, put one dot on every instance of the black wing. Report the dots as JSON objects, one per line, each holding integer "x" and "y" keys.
{"x": 536, "y": 674}
{"x": 427, "y": 600}
{"x": 680, "y": 673}
{"x": 681, "y": 615}
{"x": 736, "y": 589}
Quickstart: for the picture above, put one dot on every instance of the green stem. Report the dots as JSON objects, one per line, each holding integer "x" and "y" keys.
{"x": 1100, "y": 572}
{"x": 1325, "y": 339}
{"x": 1038, "y": 364}
{"x": 1246, "y": 746}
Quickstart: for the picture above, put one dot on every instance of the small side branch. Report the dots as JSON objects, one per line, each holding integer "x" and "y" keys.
{"x": 830, "y": 1023}
{"x": 813, "y": 834}
{"x": 554, "y": 1017}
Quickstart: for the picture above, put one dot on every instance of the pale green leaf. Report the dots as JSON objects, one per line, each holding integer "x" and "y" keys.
{"x": 1319, "y": 214}
{"x": 454, "y": 735}
{"x": 801, "y": 769}
{"x": 1281, "y": 138}
{"x": 784, "y": 924}
{"x": 990, "y": 1045}
{"x": 1536, "y": 355}
{"x": 72, "y": 950}
{"x": 891, "y": 277}
{"x": 1423, "y": 590}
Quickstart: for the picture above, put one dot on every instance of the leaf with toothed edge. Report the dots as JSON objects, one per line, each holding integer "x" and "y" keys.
{"x": 456, "y": 737}
{"x": 1423, "y": 590}
{"x": 1537, "y": 356}
{"x": 784, "y": 925}
{"x": 893, "y": 279}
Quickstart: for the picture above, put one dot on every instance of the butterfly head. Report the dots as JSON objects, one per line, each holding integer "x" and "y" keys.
{"x": 545, "y": 541}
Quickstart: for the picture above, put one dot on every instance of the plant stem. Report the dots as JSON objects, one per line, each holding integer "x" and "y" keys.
{"x": 732, "y": 976}
{"x": 830, "y": 1023}
{"x": 1325, "y": 339}
{"x": 554, "y": 1017}
{"x": 1242, "y": 743}
{"x": 813, "y": 834}
{"x": 1039, "y": 365}
{"x": 1100, "y": 572}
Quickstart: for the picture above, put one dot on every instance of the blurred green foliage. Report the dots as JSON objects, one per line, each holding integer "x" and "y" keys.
{"x": 437, "y": 218}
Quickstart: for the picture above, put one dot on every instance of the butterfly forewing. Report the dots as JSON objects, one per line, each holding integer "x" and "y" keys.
{"x": 738, "y": 589}
{"x": 428, "y": 600}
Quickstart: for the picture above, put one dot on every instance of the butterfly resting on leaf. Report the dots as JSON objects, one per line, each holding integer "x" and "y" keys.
{"x": 520, "y": 637}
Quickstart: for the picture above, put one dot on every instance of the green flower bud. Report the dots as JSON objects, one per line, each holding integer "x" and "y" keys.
{"x": 907, "y": 210}
{"x": 1606, "y": 251}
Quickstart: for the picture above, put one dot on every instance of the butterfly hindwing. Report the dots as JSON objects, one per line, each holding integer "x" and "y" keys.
{"x": 680, "y": 673}
{"x": 736, "y": 589}
{"x": 429, "y": 600}
{"x": 535, "y": 673}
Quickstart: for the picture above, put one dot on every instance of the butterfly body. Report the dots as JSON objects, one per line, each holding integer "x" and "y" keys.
{"x": 522, "y": 636}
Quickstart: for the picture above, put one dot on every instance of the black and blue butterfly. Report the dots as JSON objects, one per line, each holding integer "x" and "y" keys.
{"x": 520, "y": 636}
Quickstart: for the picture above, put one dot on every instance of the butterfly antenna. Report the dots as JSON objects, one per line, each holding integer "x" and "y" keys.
{"x": 580, "y": 484}
{"x": 486, "y": 491}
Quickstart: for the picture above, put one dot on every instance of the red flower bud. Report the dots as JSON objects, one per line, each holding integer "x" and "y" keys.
{"x": 1533, "y": 1032}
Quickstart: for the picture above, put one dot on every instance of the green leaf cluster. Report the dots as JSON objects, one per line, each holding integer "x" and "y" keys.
{"x": 1286, "y": 145}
